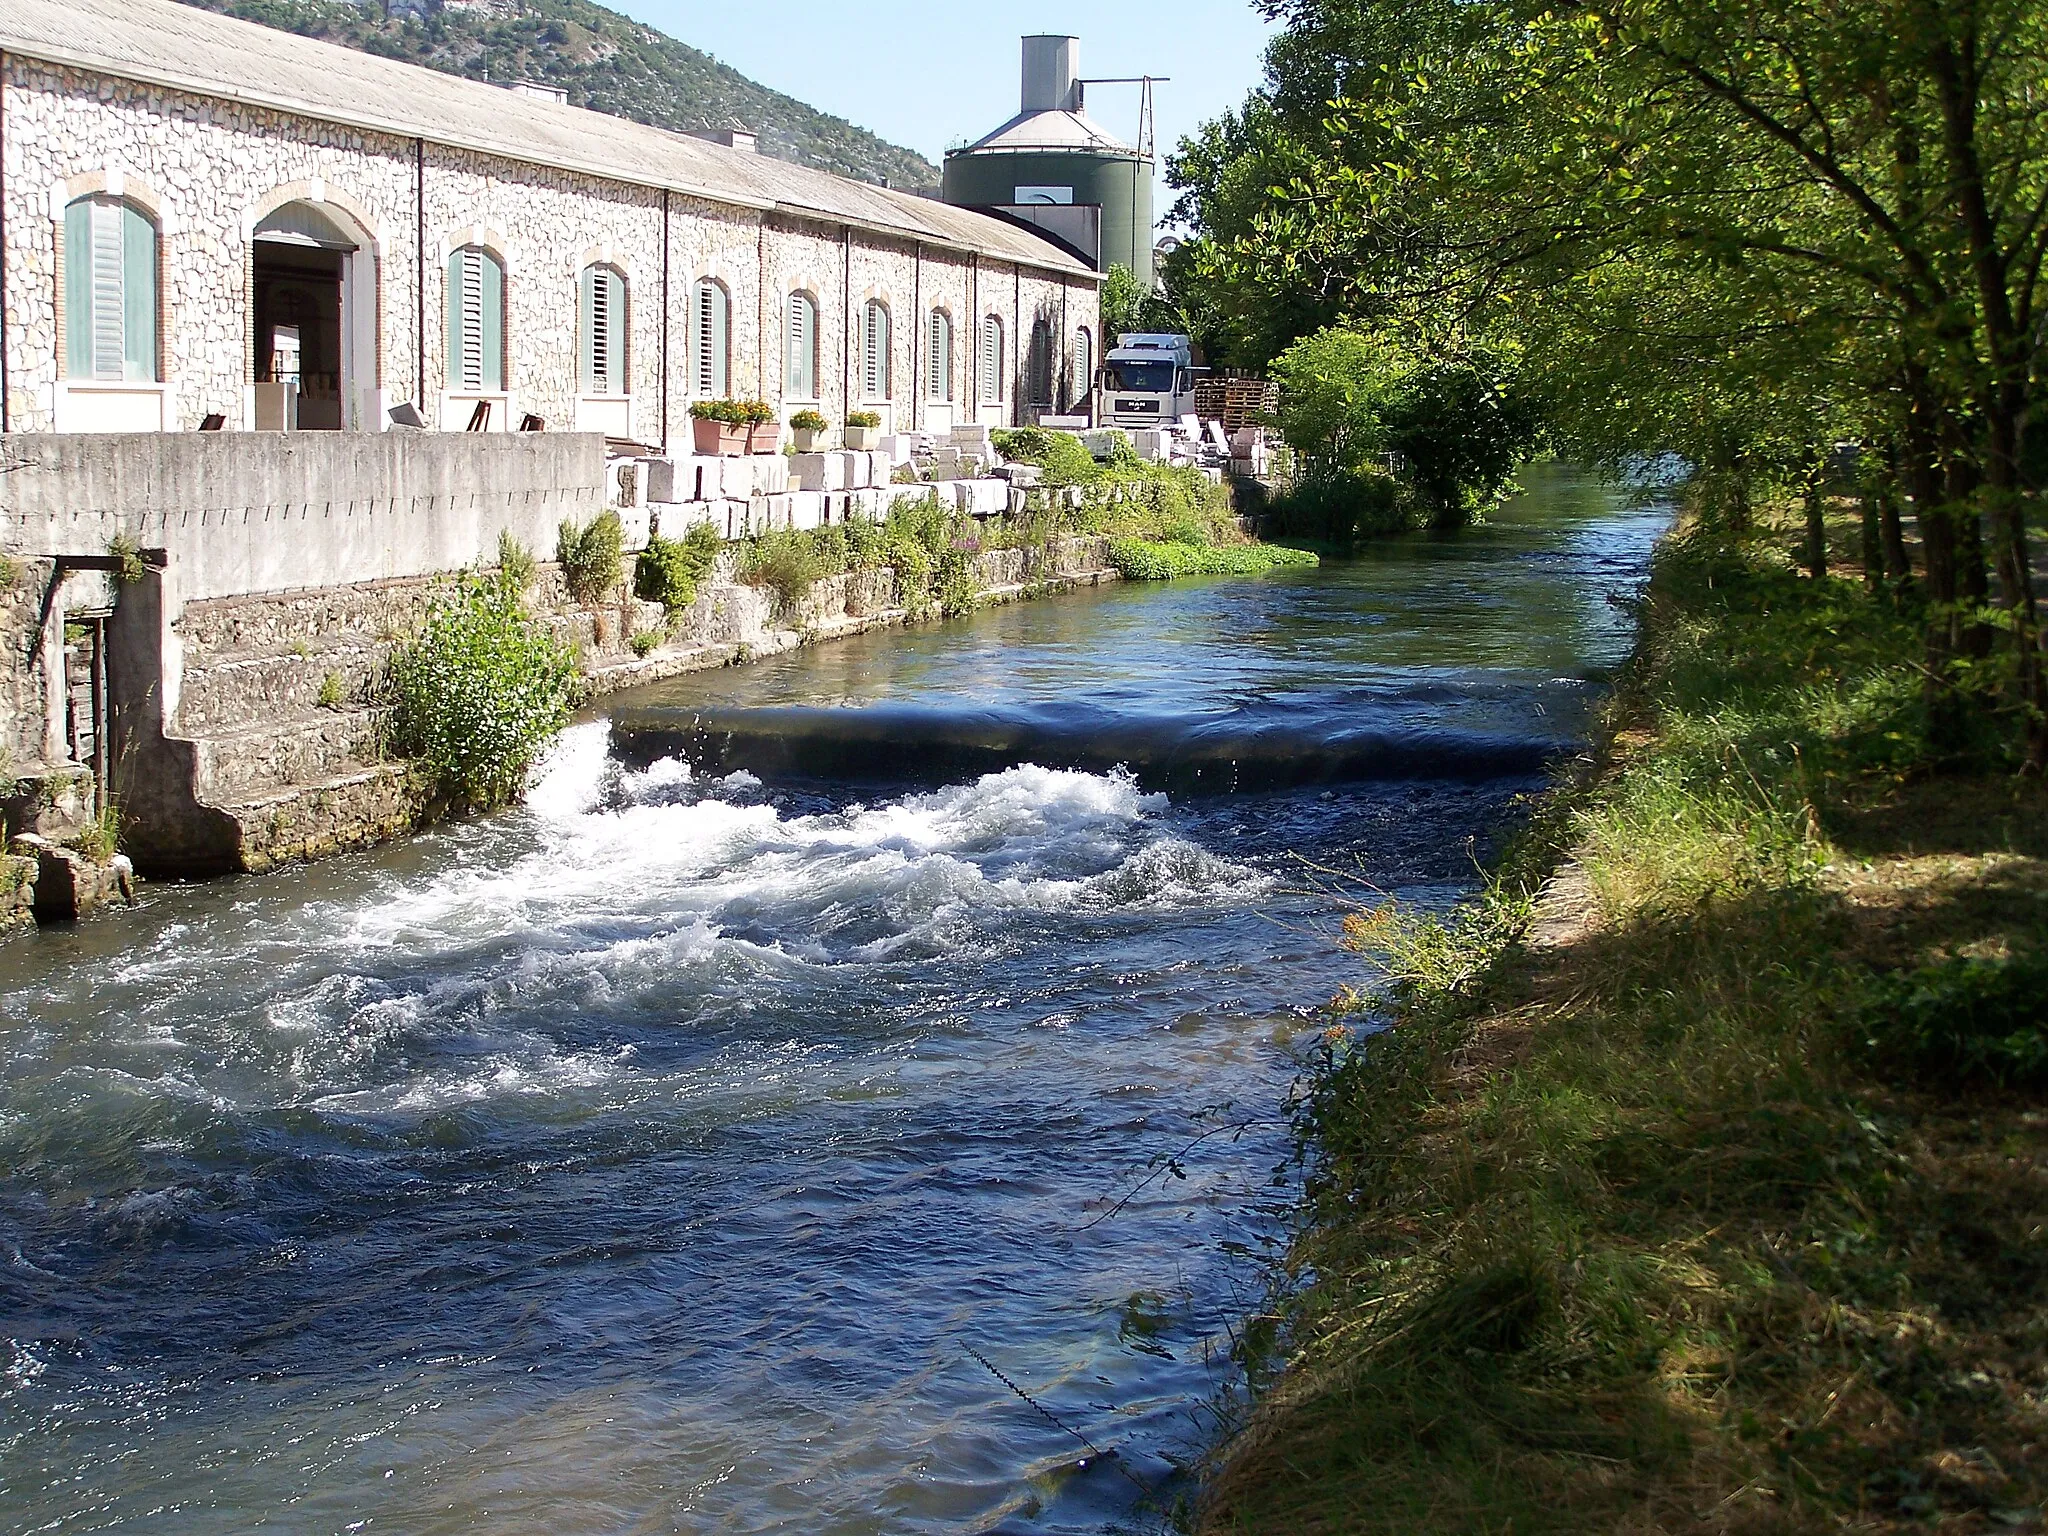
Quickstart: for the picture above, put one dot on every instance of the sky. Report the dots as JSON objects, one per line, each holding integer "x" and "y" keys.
{"x": 930, "y": 77}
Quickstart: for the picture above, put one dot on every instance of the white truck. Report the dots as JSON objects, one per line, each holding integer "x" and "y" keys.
{"x": 1148, "y": 380}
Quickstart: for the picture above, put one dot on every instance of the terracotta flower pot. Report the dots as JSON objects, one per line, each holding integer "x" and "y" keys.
{"x": 718, "y": 437}
{"x": 764, "y": 437}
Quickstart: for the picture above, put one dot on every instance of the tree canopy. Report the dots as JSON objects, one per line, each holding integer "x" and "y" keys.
{"x": 1743, "y": 232}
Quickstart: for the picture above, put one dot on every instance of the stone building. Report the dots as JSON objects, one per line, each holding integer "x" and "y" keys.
{"x": 233, "y": 260}
{"x": 202, "y": 218}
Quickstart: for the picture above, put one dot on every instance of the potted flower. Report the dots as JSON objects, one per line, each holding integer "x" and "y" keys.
{"x": 863, "y": 430}
{"x": 809, "y": 428}
{"x": 764, "y": 431}
{"x": 718, "y": 427}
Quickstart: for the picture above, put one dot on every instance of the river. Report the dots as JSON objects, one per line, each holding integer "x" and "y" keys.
{"x": 691, "y": 1148}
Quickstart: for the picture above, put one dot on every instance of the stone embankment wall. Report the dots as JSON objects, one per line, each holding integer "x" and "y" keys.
{"x": 268, "y": 791}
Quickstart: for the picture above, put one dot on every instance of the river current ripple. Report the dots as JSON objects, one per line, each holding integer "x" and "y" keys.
{"x": 682, "y": 1150}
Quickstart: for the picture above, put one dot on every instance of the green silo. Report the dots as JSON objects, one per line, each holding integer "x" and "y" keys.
{"x": 1052, "y": 167}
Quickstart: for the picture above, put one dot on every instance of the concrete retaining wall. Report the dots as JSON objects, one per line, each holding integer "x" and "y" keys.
{"x": 241, "y": 513}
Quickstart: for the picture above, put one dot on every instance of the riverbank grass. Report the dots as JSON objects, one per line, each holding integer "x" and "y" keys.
{"x": 1704, "y": 1186}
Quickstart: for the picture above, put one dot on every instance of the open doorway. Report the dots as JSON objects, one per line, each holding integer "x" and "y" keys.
{"x": 304, "y": 269}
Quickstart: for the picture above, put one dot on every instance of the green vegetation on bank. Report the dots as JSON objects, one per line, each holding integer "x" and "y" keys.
{"x": 1709, "y": 1190}
{"x": 605, "y": 61}
{"x": 480, "y": 692}
{"x": 1164, "y": 559}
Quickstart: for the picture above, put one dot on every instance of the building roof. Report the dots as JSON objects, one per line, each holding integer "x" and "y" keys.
{"x": 1051, "y": 130}
{"x": 163, "y": 43}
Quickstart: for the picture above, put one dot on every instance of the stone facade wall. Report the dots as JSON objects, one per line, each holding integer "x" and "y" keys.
{"x": 24, "y": 689}
{"x": 206, "y": 170}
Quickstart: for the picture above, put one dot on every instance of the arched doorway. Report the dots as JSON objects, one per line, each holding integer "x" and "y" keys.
{"x": 313, "y": 328}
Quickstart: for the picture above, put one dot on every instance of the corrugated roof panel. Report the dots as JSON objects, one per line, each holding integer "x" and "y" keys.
{"x": 161, "y": 42}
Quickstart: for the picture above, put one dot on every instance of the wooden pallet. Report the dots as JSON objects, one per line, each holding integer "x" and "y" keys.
{"x": 1236, "y": 402}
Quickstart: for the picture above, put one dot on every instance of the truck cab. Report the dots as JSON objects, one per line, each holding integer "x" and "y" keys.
{"x": 1148, "y": 380}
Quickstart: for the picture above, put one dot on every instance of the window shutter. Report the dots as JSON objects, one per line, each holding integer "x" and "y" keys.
{"x": 1084, "y": 365}
{"x": 491, "y": 287}
{"x": 992, "y": 360}
{"x": 138, "y": 295}
{"x": 942, "y": 357}
{"x": 875, "y": 352}
{"x": 590, "y": 366}
{"x": 711, "y": 332}
{"x": 616, "y": 360}
{"x": 108, "y": 261}
{"x": 459, "y": 348}
{"x": 800, "y": 377}
{"x": 78, "y": 289}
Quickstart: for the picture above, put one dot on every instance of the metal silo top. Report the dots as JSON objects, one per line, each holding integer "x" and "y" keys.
{"x": 1053, "y": 117}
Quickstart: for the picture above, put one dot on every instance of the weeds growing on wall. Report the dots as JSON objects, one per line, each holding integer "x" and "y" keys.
{"x": 479, "y": 693}
{"x": 668, "y": 571}
{"x": 515, "y": 561}
{"x": 127, "y": 556}
{"x": 590, "y": 557}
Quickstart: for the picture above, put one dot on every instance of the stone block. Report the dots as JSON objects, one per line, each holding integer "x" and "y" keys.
{"x": 971, "y": 438}
{"x": 17, "y": 890}
{"x": 68, "y": 884}
{"x": 1152, "y": 445}
{"x": 771, "y": 474}
{"x": 898, "y": 447}
{"x": 806, "y": 509}
{"x": 821, "y": 471}
{"x": 634, "y": 525}
{"x": 657, "y": 479}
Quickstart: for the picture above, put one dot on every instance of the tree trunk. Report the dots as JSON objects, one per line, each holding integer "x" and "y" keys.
{"x": 1816, "y": 531}
{"x": 1897, "y": 568}
{"x": 1873, "y": 543}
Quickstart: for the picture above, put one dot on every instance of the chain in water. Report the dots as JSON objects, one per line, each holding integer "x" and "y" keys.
{"x": 1057, "y": 1422}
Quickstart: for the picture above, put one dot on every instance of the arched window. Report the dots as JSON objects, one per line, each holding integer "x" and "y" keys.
{"x": 874, "y": 351}
{"x": 712, "y": 324}
{"x": 1038, "y": 362}
{"x": 991, "y": 360}
{"x": 800, "y": 368}
{"x": 942, "y": 355}
{"x": 602, "y": 309}
{"x": 1084, "y": 365}
{"x": 110, "y": 291}
{"x": 476, "y": 320}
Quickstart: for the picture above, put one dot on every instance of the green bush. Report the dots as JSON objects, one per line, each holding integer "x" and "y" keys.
{"x": 644, "y": 641}
{"x": 1963, "y": 1020}
{"x": 1159, "y": 560}
{"x": 331, "y": 692}
{"x": 787, "y": 563}
{"x": 1342, "y": 507}
{"x": 515, "y": 561}
{"x": 479, "y": 693}
{"x": 1061, "y": 455}
{"x": 668, "y": 570}
{"x": 1349, "y": 398}
{"x": 590, "y": 557}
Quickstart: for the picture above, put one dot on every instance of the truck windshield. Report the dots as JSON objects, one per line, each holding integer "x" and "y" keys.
{"x": 1155, "y": 378}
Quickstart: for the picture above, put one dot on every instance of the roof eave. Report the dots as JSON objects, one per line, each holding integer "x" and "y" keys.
{"x": 375, "y": 122}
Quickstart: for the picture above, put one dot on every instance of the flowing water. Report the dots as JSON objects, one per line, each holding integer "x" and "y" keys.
{"x": 689, "y": 1149}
